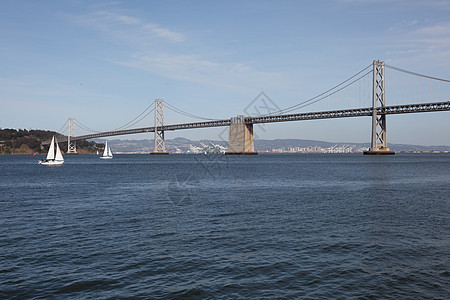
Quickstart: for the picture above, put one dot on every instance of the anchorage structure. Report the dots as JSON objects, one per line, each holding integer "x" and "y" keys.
{"x": 71, "y": 145}
{"x": 159, "y": 125}
{"x": 378, "y": 145}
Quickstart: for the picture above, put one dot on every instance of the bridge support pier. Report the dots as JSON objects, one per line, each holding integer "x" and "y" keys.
{"x": 160, "y": 147}
{"x": 378, "y": 145}
{"x": 71, "y": 145}
{"x": 241, "y": 137}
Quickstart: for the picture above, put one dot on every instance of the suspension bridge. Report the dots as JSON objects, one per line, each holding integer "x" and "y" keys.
{"x": 366, "y": 91}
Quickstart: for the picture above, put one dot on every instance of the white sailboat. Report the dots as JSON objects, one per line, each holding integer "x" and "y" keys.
{"x": 107, "y": 154}
{"x": 52, "y": 159}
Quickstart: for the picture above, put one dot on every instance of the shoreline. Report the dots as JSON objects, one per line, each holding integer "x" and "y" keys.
{"x": 279, "y": 153}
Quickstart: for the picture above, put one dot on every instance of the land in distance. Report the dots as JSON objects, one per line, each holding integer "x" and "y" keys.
{"x": 23, "y": 141}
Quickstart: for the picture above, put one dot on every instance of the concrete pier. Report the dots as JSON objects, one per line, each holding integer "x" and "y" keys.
{"x": 241, "y": 137}
{"x": 159, "y": 152}
{"x": 379, "y": 151}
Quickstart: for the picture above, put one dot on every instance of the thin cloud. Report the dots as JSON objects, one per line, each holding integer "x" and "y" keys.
{"x": 164, "y": 33}
{"x": 191, "y": 68}
{"x": 441, "y": 29}
{"x": 444, "y": 4}
{"x": 403, "y": 25}
{"x": 428, "y": 43}
{"x": 159, "y": 58}
{"x": 126, "y": 19}
{"x": 117, "y": 24}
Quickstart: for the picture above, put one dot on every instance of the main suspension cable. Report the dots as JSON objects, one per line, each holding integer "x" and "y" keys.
{"x": 142, "y": 118}
{"x": 127, "y": 125}
{"x": 326, "y": 93}
{"x": 334, "y": 92}
{"x": 416, "y": 74}
{"x": 85, "y": 127}
{"x": 63, "y": 127}
{"x": 179, "y": 111}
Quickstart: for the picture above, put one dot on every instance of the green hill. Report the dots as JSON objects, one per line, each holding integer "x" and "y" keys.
{"x": 22, "y": 141}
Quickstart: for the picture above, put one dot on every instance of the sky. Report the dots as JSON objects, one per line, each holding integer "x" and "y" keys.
{"x": 104, "y": 62}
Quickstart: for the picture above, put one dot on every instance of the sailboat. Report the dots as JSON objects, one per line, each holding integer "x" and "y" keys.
{"x": 52, "y": 159}
{"x": 107, "y": 154}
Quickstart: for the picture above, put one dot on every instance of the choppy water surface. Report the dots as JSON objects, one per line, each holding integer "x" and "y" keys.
{"x": 226, "y": 227}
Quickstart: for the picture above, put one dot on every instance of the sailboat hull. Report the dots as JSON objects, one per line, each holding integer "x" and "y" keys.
{"x": 51, "y": 163}
{"x": 106, "y": 157}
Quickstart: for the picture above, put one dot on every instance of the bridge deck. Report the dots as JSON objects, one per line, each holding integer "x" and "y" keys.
{"x": 346, "y": 113}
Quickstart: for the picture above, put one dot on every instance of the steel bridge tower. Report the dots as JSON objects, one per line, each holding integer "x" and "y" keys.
{"x": 378, "y": 145}
{"x": 160, "y": 147}
{"x": 71, "y": 145}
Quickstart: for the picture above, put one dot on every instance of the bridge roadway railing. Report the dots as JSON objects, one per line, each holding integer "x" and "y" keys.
{"x": 358, "y": 112}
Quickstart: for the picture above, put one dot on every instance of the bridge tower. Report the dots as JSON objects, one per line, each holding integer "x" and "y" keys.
{"x": 71, "y": 145}
{"x": 160, "y": 147}
{"x": 378, "y": 145}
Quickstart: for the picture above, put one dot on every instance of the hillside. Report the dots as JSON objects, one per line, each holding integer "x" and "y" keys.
{"x": 23, "y": 141}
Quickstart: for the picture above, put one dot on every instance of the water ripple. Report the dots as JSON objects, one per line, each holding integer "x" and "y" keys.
{"x": 314, "y": 227}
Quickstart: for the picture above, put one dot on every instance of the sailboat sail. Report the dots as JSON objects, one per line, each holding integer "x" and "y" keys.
{"x": 105, "y": 152}
{"x": 109, "y": 152}
{"x": 51, "y": 151}
{"x": 59, "y": 156}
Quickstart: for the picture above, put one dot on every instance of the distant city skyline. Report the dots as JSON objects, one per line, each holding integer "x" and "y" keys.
{"x": 183, "y": 145}
{"x": 104, "y": 62}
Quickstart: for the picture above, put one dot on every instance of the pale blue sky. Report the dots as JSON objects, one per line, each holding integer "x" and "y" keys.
{"x": 104, "y": 62}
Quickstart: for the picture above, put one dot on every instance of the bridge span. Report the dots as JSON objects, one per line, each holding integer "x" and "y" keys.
{"x": 359, "y": 112}
{"x": 241, "y": 127}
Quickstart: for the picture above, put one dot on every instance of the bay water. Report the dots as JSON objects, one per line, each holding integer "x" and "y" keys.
{"x": 306, "y": 226}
